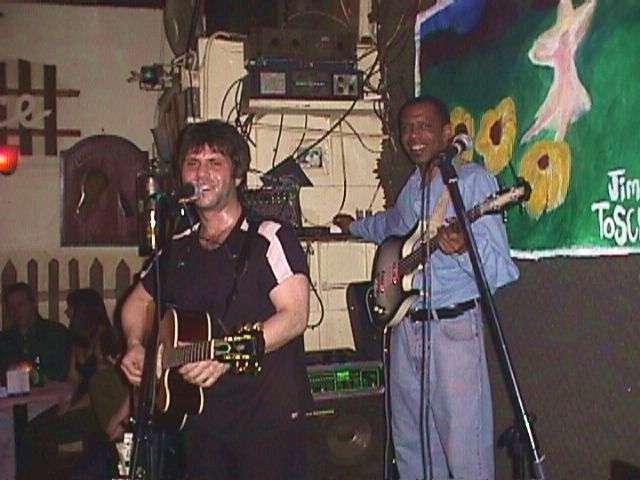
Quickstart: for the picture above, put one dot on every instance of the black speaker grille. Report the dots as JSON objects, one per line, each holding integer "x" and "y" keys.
{"x": 347, "y": 438}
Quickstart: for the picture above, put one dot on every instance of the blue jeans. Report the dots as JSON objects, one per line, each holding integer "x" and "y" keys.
{"x": 460, "y": 417}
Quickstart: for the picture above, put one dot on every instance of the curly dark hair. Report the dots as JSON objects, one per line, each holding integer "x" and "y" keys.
{"x": 220, "y": 137}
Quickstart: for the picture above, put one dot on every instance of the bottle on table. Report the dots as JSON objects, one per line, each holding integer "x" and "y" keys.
{"x": 37, "y": 376}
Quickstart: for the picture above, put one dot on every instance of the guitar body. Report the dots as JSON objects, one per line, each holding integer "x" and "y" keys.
{"x": 175, "y": 397}
{"x": 397, "y": 258}
{"x": 184, "y": 336}
{"x": 392, "y": 294}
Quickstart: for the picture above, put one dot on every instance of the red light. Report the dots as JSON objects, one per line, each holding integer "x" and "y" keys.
{"x": 8, "y": 159}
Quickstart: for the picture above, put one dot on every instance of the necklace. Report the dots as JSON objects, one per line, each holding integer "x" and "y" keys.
{"x": 208, "y": 242}
{"x": 212, "y": 242}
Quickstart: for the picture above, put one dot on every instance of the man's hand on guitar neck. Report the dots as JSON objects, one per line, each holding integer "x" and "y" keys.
{"x": 204, "y": 374}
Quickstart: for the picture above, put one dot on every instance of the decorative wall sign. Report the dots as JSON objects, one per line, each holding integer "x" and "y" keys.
{"x": 99, "y": 191}
{"x": 29, "y": 97}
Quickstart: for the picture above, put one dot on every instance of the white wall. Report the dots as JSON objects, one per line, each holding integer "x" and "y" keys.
{"x": 94, "y": 50}
{"x": 278, "y": 128}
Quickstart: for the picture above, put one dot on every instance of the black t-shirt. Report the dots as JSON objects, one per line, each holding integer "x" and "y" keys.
{"x": 201, "y": 280}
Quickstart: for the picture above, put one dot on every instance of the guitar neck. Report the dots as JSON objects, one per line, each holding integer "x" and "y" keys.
{"x": 419, "y": 255}
{"x": 214, "y": 349}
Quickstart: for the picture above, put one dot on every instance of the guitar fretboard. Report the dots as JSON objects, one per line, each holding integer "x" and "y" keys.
{"x": 420, "y": 255}
{"x": 195, "y": 352}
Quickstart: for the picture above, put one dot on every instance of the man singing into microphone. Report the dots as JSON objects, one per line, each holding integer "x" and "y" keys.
{"x": 441, "y": 412}
{"x": 241, "y": 271}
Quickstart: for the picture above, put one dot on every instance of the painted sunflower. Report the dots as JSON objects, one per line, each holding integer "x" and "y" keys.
{"x": 463, "y": 122}
{"x": 497, "y": 135}
{"x": 547, "y": 168}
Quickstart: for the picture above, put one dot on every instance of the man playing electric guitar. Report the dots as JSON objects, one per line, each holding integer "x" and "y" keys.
{"x": 442, "y": 422}
{"x": 241, "y": 272}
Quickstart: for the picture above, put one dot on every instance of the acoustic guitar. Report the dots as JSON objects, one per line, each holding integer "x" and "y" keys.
{"x": 185, "y": 337}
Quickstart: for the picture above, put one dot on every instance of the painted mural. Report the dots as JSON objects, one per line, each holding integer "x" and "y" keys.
{"x": 552, "y": 99}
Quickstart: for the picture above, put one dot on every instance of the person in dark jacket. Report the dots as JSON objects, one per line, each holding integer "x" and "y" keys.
{"x": 30, "y": 336}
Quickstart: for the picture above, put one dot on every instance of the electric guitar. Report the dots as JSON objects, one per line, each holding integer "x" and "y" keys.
{"x": 391, "y": 295}
{"x": 185, "y": 337}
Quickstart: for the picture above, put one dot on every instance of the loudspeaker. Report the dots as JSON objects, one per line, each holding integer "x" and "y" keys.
{"x": 347, "y": 437}
{"x": 239, "y": 16}
{"x": 621, "y": 470}
{"x": 367, "y": 338}
{"x": 308, "y": 44}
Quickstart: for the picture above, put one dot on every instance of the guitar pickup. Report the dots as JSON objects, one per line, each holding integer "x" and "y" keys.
{"x": 379, "y": 284}
{"x": 395, "y": 274}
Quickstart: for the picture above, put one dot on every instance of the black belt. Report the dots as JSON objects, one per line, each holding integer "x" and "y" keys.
{"x": 443, "y": 313}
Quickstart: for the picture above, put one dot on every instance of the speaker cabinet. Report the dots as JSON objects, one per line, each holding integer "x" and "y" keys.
{"x": 307, "y": 44}
{"x": 621, "y": 470}
{"x": 367, "y": 338}
{"x": 347, "y": 438}
{"x": 239, "y": 16}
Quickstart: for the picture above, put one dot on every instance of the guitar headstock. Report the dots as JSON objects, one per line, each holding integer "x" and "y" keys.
{"x": 243, "y": 350}
{"x": 506, "y": 198}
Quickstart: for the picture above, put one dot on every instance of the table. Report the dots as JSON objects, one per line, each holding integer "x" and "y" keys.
{"x": 15, "y": 412}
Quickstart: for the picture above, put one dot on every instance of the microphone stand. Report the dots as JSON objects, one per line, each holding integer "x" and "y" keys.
{"x": 147, "y": 459}
{"x": 450, "y": 179}
{"x": 146, "y": 455}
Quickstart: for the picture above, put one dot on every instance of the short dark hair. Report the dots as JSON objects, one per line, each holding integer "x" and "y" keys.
{"x": 440, "y": 106}
{"x": 221, "y": 137}
{"x": 16, "y": 288}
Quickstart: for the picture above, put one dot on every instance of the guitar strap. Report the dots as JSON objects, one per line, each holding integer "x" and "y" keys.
{"x": 241, "y": 263}
{"x": 176, "y": 258}
{"x": 168, "y": 274}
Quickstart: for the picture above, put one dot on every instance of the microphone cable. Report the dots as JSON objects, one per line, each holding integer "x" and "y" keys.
{"x": 425, "y": 303}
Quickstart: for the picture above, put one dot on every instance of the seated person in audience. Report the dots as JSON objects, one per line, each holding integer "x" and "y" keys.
{"x": 109, "y": 389}
{"x": 31, "y": 336}
{"x": 75, "y": 421}
{"x": 110, "y": 400}
{"x": 88, "y": 319}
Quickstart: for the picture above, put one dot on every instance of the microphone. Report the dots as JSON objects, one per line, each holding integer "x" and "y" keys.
{"x": 460, "y": 143}
{"x": 188, "y": 192}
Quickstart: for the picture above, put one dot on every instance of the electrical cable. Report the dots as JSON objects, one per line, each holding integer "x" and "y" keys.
{"x": 359, "y": 137}
{"x": 313, "y": 288}
{"x": 319, "y": 13}
{"x": 226, "y": 94}
{"x": 275, "y": 150}
{"x": 375, "y": 194}
{"x": 338, "y": 122}
{"x": 237, "y": 107}
{"x": 328, "y": 132}
{"x": 344, "y": 172}
{"x": 304, "y": 132}
{"x": 426, "y": 298}
{"x": 190, "y": 41}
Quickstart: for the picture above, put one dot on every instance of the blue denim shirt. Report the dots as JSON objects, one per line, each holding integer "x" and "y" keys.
{"x": 452, "y": 277}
